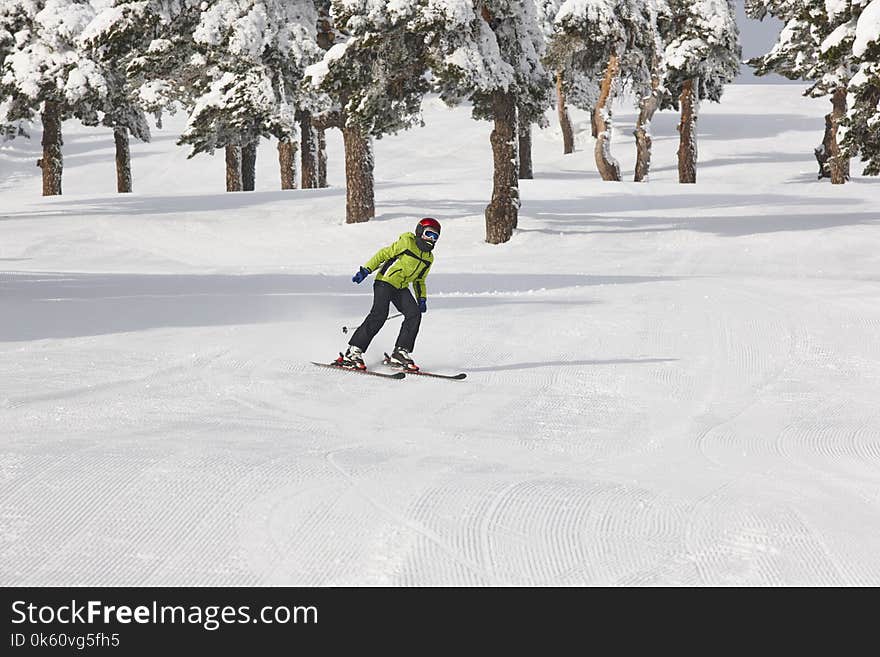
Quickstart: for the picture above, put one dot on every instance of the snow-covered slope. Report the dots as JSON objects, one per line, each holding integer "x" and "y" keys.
{"x": 667, "y": 384}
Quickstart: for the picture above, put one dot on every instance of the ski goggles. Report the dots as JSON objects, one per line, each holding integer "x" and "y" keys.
{"x": 431, "y": 235}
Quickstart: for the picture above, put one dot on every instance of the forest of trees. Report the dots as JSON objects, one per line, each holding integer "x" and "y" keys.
{"x": 288, "y": 70}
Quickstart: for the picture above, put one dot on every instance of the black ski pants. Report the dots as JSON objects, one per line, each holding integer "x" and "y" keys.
{"x": 383, "y": 295}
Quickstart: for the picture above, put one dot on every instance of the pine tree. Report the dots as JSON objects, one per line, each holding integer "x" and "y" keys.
{"x": 375, "y": 75}
{"x": 578, "y": 79}
{"x": 591, "y": 36}
{"x": 10, "y": 23}
{"x": 490, "y": 53}
{"x": 254, "y": 55}
{"x": 146, "y": 46}
{"x": 702, "y": 56}
{"x": 236, "y": 66}
{"x": 648, "y": 82}
{"x": 530, "y": 113}
{"x": 815, "y": 45}
{"x": 312, "y": 126}
{"x": 546, "y": 13}
{"x": 611, "y": 43}
{"x": 113, "y": 38}
{"x": 863, "y": 122}
{"x": 47, "y": 73}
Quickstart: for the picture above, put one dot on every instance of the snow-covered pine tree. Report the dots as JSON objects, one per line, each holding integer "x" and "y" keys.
{"x": 546, "y": 13}
{"x": 115, "y": 36}
{"x": 10, "y": 23}
{"x": 151, "y": 41}
{"x": 488, "y": 52}
{"x": 236, "y": 66}
{"x": 312, "y": 126}
{"x": 815, "y": 45}
{"x": 375, "y": 75}
{"x": 612, "y": 43}
{"x": 863, "y": 121}
{"x": 250, "y": 60}
{"x": 47, "y": 73}
{"x": 648, "y": 81}
{"x": 577, "y": 82}
{"x": 703, "y": 54}
{"x": 530, "y": 113}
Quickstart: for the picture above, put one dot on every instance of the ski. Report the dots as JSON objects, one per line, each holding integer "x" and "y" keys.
{"x": 333, "y": 366}
{"x": 453, "y": 377}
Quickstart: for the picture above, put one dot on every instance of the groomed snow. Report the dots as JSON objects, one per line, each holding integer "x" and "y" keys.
{"x": 668, "y": 385}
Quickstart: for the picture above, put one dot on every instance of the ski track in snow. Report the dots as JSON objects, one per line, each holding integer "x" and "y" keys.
{"x": 667, "y": 385}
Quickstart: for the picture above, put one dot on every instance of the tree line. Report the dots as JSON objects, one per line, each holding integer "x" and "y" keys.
{"x": 245, "y": 70}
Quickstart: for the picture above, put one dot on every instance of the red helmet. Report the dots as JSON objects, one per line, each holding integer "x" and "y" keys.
{"x": 427, "y": 224}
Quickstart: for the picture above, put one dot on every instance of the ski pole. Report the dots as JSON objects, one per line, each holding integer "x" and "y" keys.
{"x": 346, "y": 329}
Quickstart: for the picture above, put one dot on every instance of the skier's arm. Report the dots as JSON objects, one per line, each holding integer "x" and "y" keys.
{"x": 419, "y": 286}
{"x": 421, "y": 289}
{"x": 382, "y": 255}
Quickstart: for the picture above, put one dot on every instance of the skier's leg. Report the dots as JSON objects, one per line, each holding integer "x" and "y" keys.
{"x": 404, "y": 301}
{"x": 382, "y": 293}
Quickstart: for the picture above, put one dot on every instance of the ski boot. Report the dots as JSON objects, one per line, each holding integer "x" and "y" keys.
{"x": 352, "y": 359}
{"x": 402, "y": 359}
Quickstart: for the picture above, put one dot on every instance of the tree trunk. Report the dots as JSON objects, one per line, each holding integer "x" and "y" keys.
{"x": 233, "y": 168}
{"x": 123, "y": 160}
{"x": 309, "y": 152}
{"x": 322, "y": 158}
{"x": 326, "y": 36}
{"x": 823, "y": 150}
{"x": 838, "y": 163}
{"x": 287, "y": 163}
{"x": 644, "y": 142}
{"x": 52, "y": 162}
{"x": 687, "y": 129}
{"x": 564, "y": 118}
{"x": 608, "y": 167}
{"x": 525, "y": 150}
{"x": 359, "y": 204}
{"x": 249, "y": 166}
{"x": 502, "y": 213}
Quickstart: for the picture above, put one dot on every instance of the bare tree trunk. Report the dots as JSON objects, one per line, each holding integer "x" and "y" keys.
{"x": 233, "y": 168}
{"x": 52, "y": 162}
{"x": 287, "y": 163}
{"x": 322, "y": 158}
{"x": 309, "y": 152}
{"x": 123, "y": 160}
{"x": 644, "y": 142}
{"x": 687, "y": 129}
{"x": 502, "y": 213}
{"x": 249, "y": 166}
{"x": 564, "y": 118}
{"x": 837, "y": 161}
{"x": 359, "y": 204}
{"x": 608, "y": 167}
{"x": 524, "y": 133}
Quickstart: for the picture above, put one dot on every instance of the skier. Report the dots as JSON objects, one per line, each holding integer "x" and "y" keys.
{"x": 405, "y": 262}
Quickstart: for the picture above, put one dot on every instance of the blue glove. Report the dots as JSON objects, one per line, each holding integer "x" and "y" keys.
{"x": 423, "y": 304}
{"x": 358, "y": 278}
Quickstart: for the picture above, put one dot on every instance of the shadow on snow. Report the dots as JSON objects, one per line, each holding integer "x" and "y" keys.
{"x": 64, "y": 305}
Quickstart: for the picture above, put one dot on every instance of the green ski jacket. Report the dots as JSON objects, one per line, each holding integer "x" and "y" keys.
{"x": 404, "y": 263}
